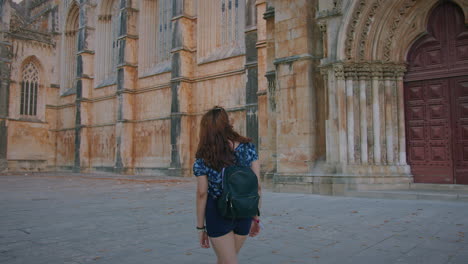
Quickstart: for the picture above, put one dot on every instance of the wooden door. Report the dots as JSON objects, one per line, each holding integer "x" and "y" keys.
{"x": 428, "y": 125}
{"x": 460, "y": 128}
{"x": 436, "y": 99}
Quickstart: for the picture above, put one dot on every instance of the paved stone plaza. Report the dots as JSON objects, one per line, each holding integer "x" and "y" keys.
{"x": 71, "y": 218}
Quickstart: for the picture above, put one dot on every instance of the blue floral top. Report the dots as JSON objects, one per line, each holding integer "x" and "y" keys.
{"x": 245, "y": 154}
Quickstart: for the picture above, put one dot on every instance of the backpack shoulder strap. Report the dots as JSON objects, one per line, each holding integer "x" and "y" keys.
{"x": 222, "y": 177}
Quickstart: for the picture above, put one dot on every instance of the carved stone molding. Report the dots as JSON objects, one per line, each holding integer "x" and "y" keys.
{"x": 366, "y": 70}
{"x": 339, "y": 71}
{"x": 406, "y": 6}
{"x": 104, "y": 17}
{"x": 365, "y": 31}
{"x": 352, "y": 29}
{"x": 376, "y": 72}
{"x": 322, "y": 27}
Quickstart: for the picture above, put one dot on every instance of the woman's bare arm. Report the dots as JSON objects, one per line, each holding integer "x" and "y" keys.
{"x": 202, "y": 195}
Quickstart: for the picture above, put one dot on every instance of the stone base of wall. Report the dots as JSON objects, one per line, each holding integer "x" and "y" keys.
{"x": 177, "y": 172}
{"x": 40, "y": 165}
{"x": 27, "y": 165}
{"x": 335, "y": 184}
{"x": 62, "y": 168}
{"x": 3, "y": 165}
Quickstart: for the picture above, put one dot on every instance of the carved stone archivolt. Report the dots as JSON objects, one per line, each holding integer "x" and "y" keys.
{"x": 379, "y": 30}
{"x": 365, "y": 31}
{"x": 350, "y": 35}
{"x": 406, "y": 6}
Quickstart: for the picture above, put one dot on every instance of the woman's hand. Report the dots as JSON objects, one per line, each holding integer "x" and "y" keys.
{"x": 255, "y": 228}
{"x": 204, "y": 242}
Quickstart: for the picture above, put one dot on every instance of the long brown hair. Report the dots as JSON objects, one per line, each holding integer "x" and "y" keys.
{"x": 215, "y": 133}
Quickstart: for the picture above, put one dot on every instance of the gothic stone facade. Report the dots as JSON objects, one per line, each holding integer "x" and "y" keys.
{"x": 321, "y": 86}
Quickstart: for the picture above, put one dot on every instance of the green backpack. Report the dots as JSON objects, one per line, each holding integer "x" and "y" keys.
{"x": 239, "y": 198}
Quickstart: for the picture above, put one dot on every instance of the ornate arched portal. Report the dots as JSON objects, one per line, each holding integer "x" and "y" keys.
{"x": 367, "y": 75}
{"x": 436, "y": 99}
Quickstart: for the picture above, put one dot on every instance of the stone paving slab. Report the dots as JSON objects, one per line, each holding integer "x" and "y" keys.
{"x": 74, "y": 218}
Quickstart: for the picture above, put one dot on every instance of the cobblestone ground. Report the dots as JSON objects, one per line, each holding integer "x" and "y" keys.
{"x": 72, "y": 218}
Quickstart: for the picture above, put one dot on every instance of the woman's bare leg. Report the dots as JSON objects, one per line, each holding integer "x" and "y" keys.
{"x": 225, "y": 248}
{"x": 239, "y": 240}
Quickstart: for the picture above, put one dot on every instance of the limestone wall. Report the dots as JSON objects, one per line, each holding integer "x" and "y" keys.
{"x": 140, "y": 119}
{"x": 31, "y": 140}
{"x": 294, "y": 93}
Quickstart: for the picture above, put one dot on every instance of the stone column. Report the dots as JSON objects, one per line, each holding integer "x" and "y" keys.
{"x": 338, "y": 91}
{"x": 267, "y": 55}
{"x": 84, "y": 84}
{"x": 333, "y": 100}
{"x": 370, "y": 117}
{"x": 389, "y": 86}
{"x": 126, "y": 84}
{"x": 365, "y": 104}
{"x": 370, "y": 120}
{"x": 3, "y": 145}
{"x": 376, "y": 75}
{"x": 401, "y": 116}
{"x": 183, "y": 57}
{"x": 5, "y": 69}
{"x": 251, "y": 68}
{"x": 352, "y": 131}
{"x": 262, "y": 94}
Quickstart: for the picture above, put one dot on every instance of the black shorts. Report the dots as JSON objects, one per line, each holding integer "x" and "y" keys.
{"x": 217, "y": 226}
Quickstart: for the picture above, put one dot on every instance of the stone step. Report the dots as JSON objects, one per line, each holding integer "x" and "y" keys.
{"x": 442, "y": 187}
{"x": 413, "y": 194}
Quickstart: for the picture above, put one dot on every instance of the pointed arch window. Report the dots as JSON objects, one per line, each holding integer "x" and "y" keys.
{"x": 29, "y": 90}
{"x": 108, "y": 43}
{"x": 220, "y": 29}
{"x": 70, "y": 49}
{"x": 155, "y": 36}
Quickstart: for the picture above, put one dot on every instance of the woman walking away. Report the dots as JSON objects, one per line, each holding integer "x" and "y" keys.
{"x": 221, "y": 147}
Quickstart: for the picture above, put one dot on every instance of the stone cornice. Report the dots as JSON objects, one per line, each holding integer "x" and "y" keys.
{"x": 184, "y": 16}
{"x": 60, "y": 106}
{"x": 335, "y": 11}
{"x": 270, "y": 13}
{"x": 262, "y": 92}
{"x": 127, "y": 36}
{"x": 90, "y": 52}
{"x": 26, "y": 34}
{"x": 261, "y": 44}
{"x": 251, "y": 64}
{"x": 147, "y": 89}
{"x": 294, "y": 58}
